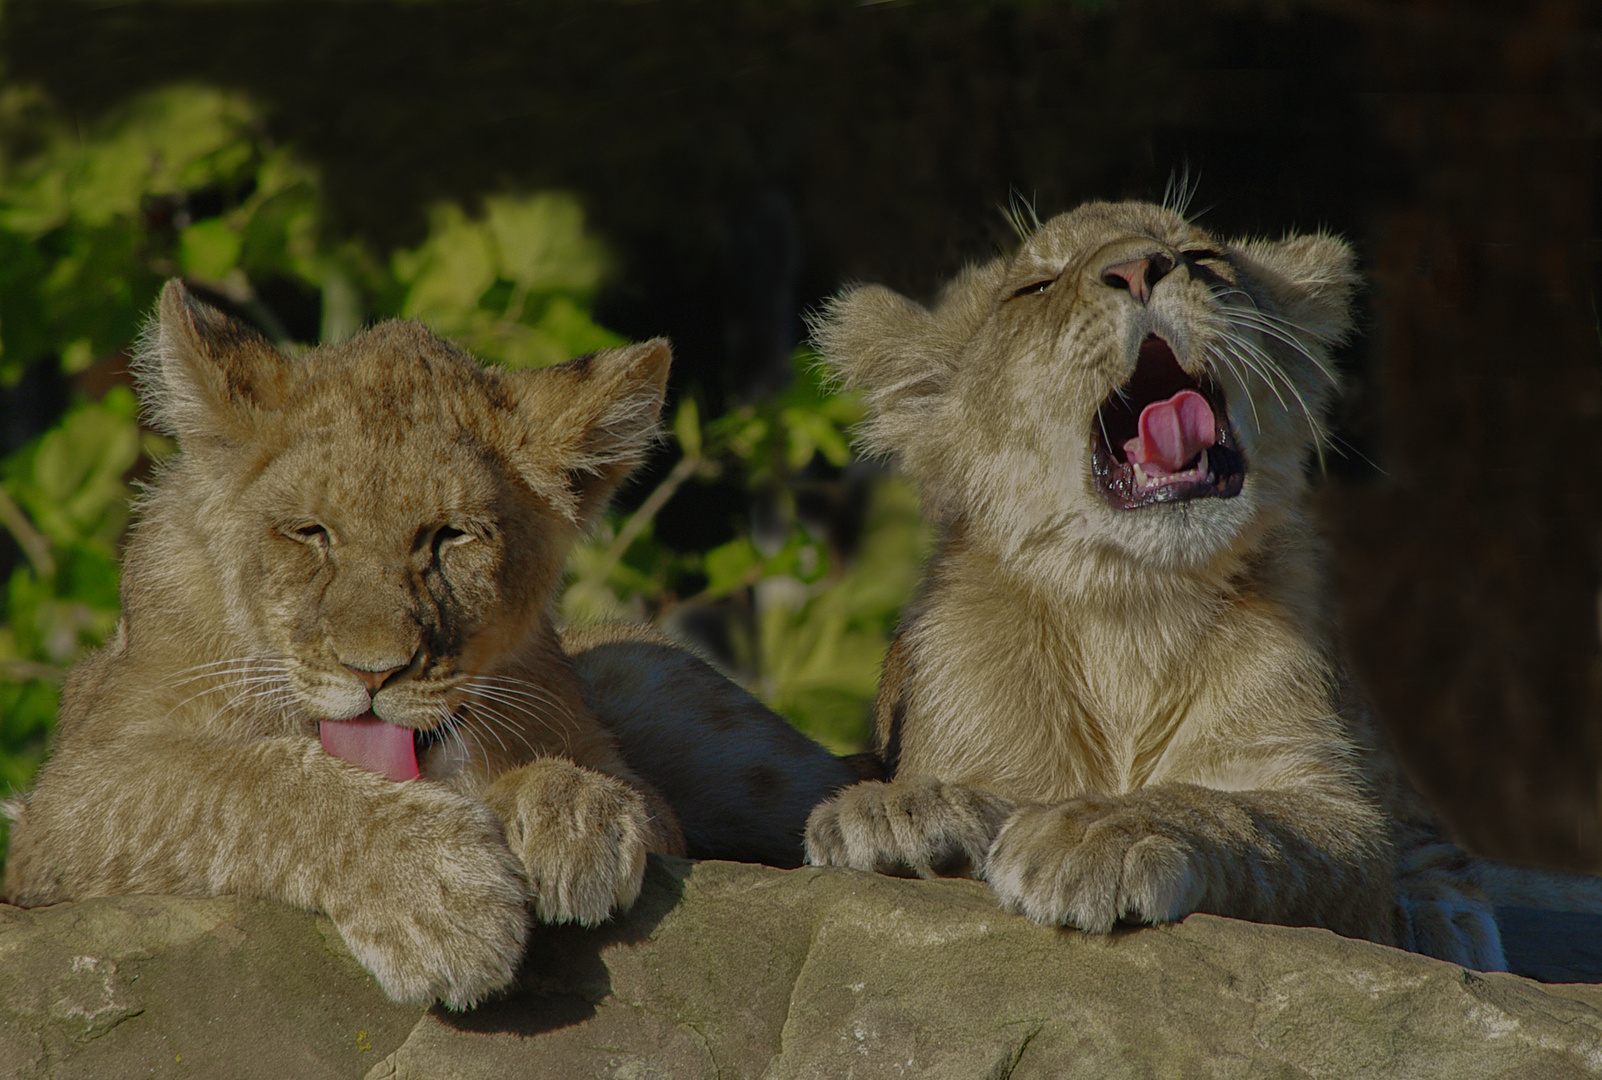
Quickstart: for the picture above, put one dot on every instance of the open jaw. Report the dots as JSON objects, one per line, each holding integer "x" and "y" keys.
{"x": 1164, "y": 436}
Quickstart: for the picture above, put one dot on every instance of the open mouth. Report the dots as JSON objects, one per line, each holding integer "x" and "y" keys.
{"x": 1164, "y": 437}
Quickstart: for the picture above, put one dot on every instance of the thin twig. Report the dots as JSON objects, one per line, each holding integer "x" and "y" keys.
{"x": 687, "y": 467}
{"x": 29, "y": 539}
{"x": 13, "y": 669}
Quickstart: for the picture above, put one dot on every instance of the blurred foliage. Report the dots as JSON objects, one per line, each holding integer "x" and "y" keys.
{"x": 807, "y": 623}
{"x": 185, "y": 181}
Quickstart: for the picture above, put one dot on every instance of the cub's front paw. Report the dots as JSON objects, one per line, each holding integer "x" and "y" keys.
{"x": 1459, "y": 929}
{"x": 916, "y": 826}
{"x": 1090, "y": 862}
{"x": 1441, "y": 909}
{"x": 434, "y": 904}
{"x": 581, "y": 834}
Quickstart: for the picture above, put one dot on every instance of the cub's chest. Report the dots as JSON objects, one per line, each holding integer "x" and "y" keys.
{"x": 1042, "y": 709}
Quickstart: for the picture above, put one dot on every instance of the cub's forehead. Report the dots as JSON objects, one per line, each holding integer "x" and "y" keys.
{"x": 1086, "y": 228}
{"x": 396, "y": 374}
{"x": 384, "y": 469}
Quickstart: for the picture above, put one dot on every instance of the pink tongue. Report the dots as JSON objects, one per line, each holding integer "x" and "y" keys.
{"x": 386, "y": 749}
{"x": 1172, "y": 432}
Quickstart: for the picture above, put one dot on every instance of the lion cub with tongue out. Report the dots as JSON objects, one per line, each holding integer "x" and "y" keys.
{"x": 1117, "y": 698}
{"x": 336, "y": 683}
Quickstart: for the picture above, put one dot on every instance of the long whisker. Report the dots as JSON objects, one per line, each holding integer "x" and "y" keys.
{"x": 529, "y": 691}
{"x": 522, "y": 702}
{"x": 1266, "y": 324}
{"x": 1227, "y": 361}
{"x": 1232, "y": 345}
{"x": 223, "y": 667}
{"x": 494, "y": 733}
{"x": 448, "y": 728}
{"x": 493, "y": 718}
{"x": 1268, "y": 361}
{"x": 1315, "y": 427}
{"x": 1286, "y": 330}
{"x": 231, "y": 684}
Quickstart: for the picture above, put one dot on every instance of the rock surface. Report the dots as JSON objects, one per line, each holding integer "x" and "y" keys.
{"x": 727, "y": 971}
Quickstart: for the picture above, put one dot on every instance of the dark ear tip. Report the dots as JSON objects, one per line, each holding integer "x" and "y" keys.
{"x": 658, "y": 349}
{"x": 175, "y": 297}
{"x": 179, "y": 304}
{"x": 654, "y": 356}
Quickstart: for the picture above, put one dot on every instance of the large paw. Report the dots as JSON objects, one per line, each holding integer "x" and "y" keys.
{"x": 582, "y": 836}
{"x": 1089, "y": 862}
{"x": 1442, "y": 911}
{"x": 434, "y": 903}
{"x": 916, "y": 826}
{"x": 1460, "y": 930}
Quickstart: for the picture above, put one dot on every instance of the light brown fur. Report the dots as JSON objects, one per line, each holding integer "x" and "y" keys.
{"x": 1128, "y": 713}
{"x": 382, "y": 504}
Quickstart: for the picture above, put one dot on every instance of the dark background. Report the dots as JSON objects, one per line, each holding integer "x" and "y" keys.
{"x": 743, "y": 159}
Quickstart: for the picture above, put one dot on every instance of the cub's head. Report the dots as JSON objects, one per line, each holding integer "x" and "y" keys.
{"x": 376, "y": 526}
{"x": 1126, "y": 384}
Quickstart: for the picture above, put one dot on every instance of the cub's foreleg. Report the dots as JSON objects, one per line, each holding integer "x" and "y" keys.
{"x": 416, "y": 877}
{"x": 1157, "y": 854}
{"x": 910, "y": 826}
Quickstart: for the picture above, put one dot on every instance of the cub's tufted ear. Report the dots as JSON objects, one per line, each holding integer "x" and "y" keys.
{"x": 903, "y": 356}
{"x": 871, "y": 337}
{"x": 588, "y": 423}
{"x": 1312, "y": 278}
{"x": 878, "y": 341}
{"x": 203, "y": 376}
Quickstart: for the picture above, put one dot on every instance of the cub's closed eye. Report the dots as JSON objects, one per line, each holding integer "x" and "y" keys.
{"x": 448, "y": 536}
{"x": 316, "y": 535}
{"x": 1204, "y": 254}
{"x": 1034, "y": 288}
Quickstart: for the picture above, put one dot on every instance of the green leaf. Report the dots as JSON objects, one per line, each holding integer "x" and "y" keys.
{"x": 452, "y": 269}
{"x": 210, "y": 249}
{"x": 70, "y": 481}
{"x": 729, "y": 566}
{"x": 542, "y": 244}
{"x": 572, "y": 330}
{"x": 687, "y": 426}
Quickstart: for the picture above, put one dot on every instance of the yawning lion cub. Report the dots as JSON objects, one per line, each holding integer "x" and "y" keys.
{"x": 1117, "y": 698}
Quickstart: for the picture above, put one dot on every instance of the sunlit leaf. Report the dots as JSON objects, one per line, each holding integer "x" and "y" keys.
{"x": 542, "y": 243}
{"x": 452, "y": 269}
{"x": 729, "y": 566}
{"x": 210, "y": 249}
{"x": 687, "y": 427}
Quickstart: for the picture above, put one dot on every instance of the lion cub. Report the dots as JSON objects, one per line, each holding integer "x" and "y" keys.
{"x": 1116, "y": 698}
{"x": 342, "y": 584}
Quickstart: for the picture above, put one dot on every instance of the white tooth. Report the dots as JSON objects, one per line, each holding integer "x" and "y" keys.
{"x": 1140, "y": 476}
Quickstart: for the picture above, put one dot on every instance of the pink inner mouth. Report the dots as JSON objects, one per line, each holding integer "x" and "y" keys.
{"x": 386, "y": 749}
{"x": 1164, "y": 436}
{"x": 1173, "y": 434}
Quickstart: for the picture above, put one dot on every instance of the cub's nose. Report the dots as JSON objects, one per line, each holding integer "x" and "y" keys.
{"x": 1139, "y": 276}
{"x": 373, "y": 679}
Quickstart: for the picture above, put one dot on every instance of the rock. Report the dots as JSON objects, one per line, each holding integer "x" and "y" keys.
{"x": 170, "y": 986}
{"x": 725, "y": 970}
